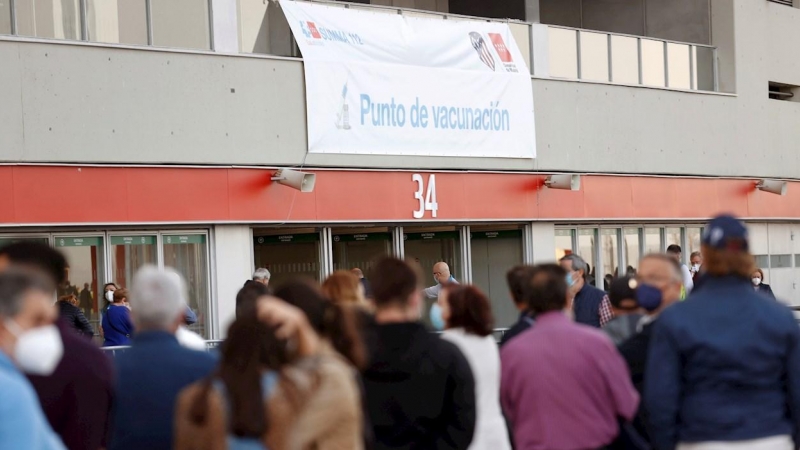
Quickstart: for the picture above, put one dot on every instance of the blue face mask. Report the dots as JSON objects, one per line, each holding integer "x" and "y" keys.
{"x": 570, "y": 280}
{"x": 649, "y": 297}
{"x": 436, "y": 317}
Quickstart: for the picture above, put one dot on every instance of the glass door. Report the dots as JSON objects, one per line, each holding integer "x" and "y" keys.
{"x": 359, "y": 248}
{"x": 287, "y": 253}
{"x": 128, "y": 254}
{"x": 494, "y": 253}
{"x": 427, "y": 246}
{"x": 85, "y": 273}
{"x": 188, "y": 254}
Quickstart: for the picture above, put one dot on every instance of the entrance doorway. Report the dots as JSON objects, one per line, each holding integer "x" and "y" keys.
{"x": 287, "y": 253}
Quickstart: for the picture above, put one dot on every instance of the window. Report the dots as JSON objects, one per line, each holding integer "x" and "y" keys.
{"x": 564, "y": 246}
{"x": 5, "y": 16}
{"x": 631, "y": 243}
{"x": 780, "y": 261}
{"x": 181, "y": 24}
{"x": 781, "y": 91}
{"x": 48, "y": 19}
{"x": 762, "y": 261}
{"x": 652, "y": 241}
{"x": 188, "y": 254}
{"x": 117, "y": 21}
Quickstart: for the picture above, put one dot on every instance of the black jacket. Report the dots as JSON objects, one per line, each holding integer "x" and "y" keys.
{"x": 765, "y": 289}
{"x": 634, "y": 351}
{"x": 420, "y": 391}
{"x": 524, "y": 322}
{"x": 74, "y": 318}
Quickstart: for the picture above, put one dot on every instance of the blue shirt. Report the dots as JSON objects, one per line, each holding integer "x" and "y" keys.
{"x": 724, "y": 365}
{"x": 149, "y": 377}
{"x": 22, "y": 422}
{"x": 117, "y": 326}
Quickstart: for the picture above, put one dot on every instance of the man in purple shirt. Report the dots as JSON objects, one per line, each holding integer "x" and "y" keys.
{"x": 563, "y": 385}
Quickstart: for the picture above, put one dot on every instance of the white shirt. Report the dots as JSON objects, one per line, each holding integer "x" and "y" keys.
{"x": 433, "y": 291}
{"x": 483, "y": 357}
{"x": 687, "y": 278}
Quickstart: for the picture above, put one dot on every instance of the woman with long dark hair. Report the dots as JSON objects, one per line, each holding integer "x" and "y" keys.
{"x": 276, "y": 387}
{"x": 232, "y": 401}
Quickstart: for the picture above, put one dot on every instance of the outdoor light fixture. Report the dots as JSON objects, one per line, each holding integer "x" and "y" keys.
{"x": 773, "y": 186}
{"x": 567, "y": 182}
{"x": 302, "y": 181}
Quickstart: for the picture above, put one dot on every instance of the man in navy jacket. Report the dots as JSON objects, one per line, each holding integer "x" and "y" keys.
{"x": 724, "y": 365}
{"x": 154, "y": 370}
{"x": 590, "y": 304}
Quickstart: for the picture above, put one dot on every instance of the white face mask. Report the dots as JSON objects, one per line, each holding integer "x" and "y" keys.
{"x": 696, "y": 267}
{"x": 110, "y": 296}
{"x": 756, "y": 281}
{"x": 38, "y": 350}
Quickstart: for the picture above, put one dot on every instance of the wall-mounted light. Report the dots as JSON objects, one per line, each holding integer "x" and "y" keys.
{"x": 773, "y": 186}
{"x": 302, "y": 181}
{"x": 567, "y": 182}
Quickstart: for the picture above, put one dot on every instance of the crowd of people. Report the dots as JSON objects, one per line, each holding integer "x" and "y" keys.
{"x": 655, "y": 362}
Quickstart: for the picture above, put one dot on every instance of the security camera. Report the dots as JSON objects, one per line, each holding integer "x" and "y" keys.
{"x": 302, "y": 181}
{"x": 567, "y": 182}
{"x": 773, "y": 186}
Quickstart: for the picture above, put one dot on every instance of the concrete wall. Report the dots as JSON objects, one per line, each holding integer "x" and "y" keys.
{"x": 72, "y": 103}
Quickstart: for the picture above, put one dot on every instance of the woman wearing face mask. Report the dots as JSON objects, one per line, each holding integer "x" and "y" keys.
{"x": 108, "y": 295}
{"x": 466, "y": 317}
{"x": 117, "y": 324}
{"x": 758, "y": 284}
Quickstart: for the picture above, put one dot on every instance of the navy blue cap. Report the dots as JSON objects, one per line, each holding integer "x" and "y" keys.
{"x": 726, "y": 232}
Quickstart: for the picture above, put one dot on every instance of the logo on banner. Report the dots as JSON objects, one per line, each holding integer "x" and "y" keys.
{"x": 343, "y": 116}
{"x": 483, "y": 50}
{"x": 503, "y": 52}
{"x": 318, "y": 34}
{"x": 500, "y": 46}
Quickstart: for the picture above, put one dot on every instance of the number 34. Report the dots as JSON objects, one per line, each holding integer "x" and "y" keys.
{"x": 429, "y": 202}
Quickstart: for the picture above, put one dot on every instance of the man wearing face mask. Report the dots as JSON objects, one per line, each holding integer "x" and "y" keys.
{"x": 657, "y": 286}
{"x": 441, "y": 273}
{"x": 84, "y": 372}
{"x": 29, "y": 342}
{"x": 590, "y": 305}
{"x": 723, "y": 369}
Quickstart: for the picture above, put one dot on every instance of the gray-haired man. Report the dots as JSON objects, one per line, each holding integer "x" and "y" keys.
{"x": 261, "y": 275}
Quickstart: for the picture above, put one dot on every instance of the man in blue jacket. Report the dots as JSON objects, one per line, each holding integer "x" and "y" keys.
{"x": 157, "y": 367}
{"x": 723, "y": 369}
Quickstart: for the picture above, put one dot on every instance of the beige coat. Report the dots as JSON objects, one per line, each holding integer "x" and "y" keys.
{"x": 321, "y": 412}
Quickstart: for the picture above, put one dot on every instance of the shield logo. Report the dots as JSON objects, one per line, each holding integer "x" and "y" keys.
{"x": 479, "y": 44}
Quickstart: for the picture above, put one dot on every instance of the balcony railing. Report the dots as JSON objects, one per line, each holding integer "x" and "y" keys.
{"x": 577, "y": 54}
{"x": 550, "y": 51}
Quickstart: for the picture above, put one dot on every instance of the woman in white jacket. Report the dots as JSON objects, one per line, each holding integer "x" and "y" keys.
{"x": 467, "y": 316}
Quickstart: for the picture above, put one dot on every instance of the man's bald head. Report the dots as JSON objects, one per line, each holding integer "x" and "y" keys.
{"x": 441, "y": 272}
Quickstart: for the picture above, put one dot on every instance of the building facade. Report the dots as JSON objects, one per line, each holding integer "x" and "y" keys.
{"x": 146, "y": 131}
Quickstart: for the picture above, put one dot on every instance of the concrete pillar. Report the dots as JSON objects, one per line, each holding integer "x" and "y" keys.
{"x": 532, "y": 11}
{"x": 233, "y": 265}
{"x": 723, "y": 36}
{"x": 543, "y": 236}
{"x": 226, "y": 27}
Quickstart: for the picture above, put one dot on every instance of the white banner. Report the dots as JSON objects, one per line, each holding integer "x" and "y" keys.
{"x": 388, "y": 84}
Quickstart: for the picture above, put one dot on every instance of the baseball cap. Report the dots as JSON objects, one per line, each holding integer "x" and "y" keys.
{"x": 726, "y": 232}
{"x": 622, "y": 289}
